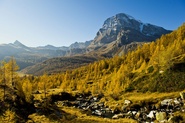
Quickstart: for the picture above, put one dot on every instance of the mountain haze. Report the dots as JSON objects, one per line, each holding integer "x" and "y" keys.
{"x": 28, "y": 56}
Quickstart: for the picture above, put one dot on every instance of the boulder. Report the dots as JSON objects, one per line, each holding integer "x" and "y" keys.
{"x": 127, "y": 102}
{"x": 177, "y": 101}
{"x": 117, "y": 116}
{"x": 167, "y": 102}
{"x": 97, "y": 112}
{"x": 161, "y": 116}
{"x": 151, "y": 115}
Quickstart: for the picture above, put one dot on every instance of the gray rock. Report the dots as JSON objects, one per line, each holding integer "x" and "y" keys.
{"x": 167, "y": 102}
{"x": 127, "y": 102}
{"x": 117, "y": 116}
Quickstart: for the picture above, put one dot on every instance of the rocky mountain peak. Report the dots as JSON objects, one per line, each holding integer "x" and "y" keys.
{"x": 122, "y": 20}
{"x": 19, "y": 44}
{"x": 124, "y": 29}
{"x": 118, "y": 20}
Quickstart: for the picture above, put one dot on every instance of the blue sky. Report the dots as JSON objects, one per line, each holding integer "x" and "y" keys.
{"x": 62, "y": 22}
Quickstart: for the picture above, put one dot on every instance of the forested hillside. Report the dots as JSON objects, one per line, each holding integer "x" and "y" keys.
{"x": 155, "y": 67}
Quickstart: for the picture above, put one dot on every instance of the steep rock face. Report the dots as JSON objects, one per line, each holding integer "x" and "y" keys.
{"x": 123, "y": 29}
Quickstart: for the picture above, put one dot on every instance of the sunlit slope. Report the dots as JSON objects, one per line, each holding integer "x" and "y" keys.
{"x": 156, "y": 66}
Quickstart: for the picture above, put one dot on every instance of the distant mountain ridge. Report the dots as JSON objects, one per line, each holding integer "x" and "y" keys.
{"x": 27, "y": 56}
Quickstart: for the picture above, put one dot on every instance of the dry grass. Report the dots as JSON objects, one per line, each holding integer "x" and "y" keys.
{"x": 85, "y": 118}
{"x": 49, "y": 92}
{"x": 73, "y": 115}
{"x": 136, "y": 98}
{"x": 35, "y": 118}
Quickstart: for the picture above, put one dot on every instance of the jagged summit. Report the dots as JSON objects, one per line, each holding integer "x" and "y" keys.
{"x": 124, "y": 29}
{"x": 118, "y": 20}
{"x": 19, "y": 44}
{"x": 122, "y": 20}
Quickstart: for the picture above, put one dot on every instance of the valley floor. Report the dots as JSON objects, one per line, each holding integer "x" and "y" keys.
{"x": 76, "y": 111}
{"x": 74, "y": 107}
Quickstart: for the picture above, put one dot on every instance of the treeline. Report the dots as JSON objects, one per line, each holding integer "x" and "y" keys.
{"x": 155, "y": 67}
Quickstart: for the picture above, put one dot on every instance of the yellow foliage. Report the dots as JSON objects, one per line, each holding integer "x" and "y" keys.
{"x": 27, "y": 89}
{"x": 8, "y": 117}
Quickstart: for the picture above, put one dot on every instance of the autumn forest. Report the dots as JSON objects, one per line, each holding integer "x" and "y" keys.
{"x": 154, "y": 67}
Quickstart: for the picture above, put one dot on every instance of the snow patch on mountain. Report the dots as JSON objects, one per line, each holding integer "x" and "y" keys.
{"x": 130, "y": 17}
{"x": 141, "y": 27}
